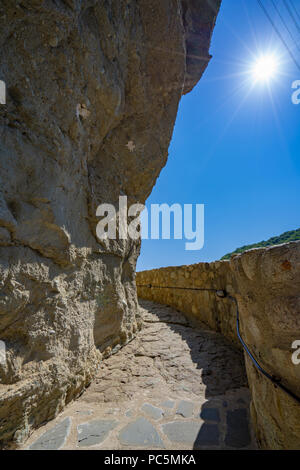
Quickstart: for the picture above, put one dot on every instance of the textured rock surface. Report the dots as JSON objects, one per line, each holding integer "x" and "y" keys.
{"x": 55, "y": 438}
{"x": 83, "y": 80}
{"x": 266, "y": 284}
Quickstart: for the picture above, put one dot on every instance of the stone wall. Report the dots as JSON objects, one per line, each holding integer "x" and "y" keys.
{"x": 266, "y": 284}
{"x": 197, "y": 291}
{"x": 92, "y": 94}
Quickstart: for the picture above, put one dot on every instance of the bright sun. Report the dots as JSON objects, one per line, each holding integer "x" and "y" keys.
{"x": 265, "y": 68}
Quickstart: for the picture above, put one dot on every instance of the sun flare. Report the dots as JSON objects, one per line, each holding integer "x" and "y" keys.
{"x": 265, "y": 68}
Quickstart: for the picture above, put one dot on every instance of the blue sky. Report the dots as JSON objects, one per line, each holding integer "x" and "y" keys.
{"x": 235, "y": 146}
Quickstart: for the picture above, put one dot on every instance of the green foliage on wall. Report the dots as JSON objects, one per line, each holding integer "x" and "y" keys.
{"x": 285, "y": 237}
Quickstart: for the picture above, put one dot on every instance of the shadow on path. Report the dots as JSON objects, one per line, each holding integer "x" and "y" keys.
{"x": 219, "y": 375}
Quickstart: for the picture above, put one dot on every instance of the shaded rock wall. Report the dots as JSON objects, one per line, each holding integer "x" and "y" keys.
{"x": 266, "y": 284}
{"x": 196, "y": 290}
{"x": 83, "y": 79}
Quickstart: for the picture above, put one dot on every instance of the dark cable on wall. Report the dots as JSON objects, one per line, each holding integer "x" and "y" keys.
{"x": 274, "y": 380}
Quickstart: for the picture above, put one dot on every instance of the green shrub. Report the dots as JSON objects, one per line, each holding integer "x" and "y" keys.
{"x": 285, "y": 237}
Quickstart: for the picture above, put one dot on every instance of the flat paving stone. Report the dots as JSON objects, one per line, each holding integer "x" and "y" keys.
{"x": 168, "y": 404}
{"x": 237, "y": 434}
{"x": 185, "y": 409}
{"x": 140, "y": 433}
{"x": 152, "y": 411}
{"x": 94, "y": 432}
{"x": 53, "y": 439}
{"x": 84, "y": 412}
{"x": 184, "y": 432}
{"x": 190, "y": 432}
{"x": 210, "y": 414}
{"x": 163, "y": 366}
{"x": 208, "y": 436}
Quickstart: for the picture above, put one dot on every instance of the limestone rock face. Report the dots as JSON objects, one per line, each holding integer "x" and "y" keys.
{"x": 83, "y": 80}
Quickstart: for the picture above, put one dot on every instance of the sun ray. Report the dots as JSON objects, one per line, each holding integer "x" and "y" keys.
{"x": 210, "y": 153}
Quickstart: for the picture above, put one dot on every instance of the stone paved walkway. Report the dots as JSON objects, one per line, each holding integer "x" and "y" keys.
{"x": 173, "y": 387}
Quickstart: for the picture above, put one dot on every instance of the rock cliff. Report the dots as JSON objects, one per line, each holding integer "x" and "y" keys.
{"x": 84, "y": 79}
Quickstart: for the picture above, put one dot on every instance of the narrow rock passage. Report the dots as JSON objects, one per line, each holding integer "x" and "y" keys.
{"x": 173, "y": 387}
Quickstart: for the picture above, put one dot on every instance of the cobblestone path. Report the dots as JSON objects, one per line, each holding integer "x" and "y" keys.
{"x": 173, "y": 387}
